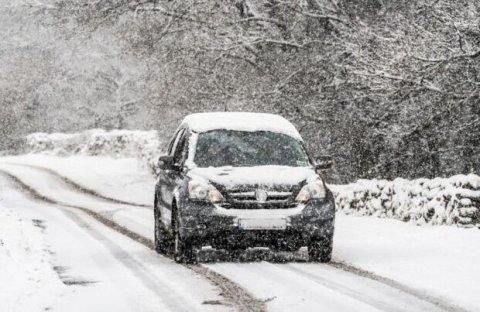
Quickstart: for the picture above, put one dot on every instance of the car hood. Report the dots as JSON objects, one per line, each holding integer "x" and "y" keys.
{"x": 268, "y": 176}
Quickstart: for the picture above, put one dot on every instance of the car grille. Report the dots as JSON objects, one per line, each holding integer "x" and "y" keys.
{"x": 246, "y": 199}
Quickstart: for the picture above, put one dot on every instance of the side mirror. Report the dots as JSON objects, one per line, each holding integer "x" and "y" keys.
{"x": 324, "y": 163}
{"x": 165, "y": 162}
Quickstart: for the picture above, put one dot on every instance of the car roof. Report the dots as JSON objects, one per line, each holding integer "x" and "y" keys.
{"x": 240, "y": 121}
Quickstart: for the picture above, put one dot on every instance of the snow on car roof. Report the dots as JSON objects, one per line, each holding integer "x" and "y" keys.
{"x": 251, "y": 122}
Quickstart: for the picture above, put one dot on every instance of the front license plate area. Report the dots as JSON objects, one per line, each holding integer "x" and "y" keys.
{"x": 262, "y": 224}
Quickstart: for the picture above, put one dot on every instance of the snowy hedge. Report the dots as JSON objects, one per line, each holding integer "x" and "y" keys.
{"x": 144, "y": 145}
{"x": 454, "y": 200}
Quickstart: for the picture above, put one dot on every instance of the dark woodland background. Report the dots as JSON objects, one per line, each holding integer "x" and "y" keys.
{"x": 390, "y": 88}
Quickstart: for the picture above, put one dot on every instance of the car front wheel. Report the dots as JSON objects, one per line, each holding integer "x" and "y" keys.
{"x": 162, "y": 238}
{"x": 184, "y": 250}
{"x": 320, "y": 250}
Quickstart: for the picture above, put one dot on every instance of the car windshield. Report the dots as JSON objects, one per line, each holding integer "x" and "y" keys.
{"x": 220, "y": 148}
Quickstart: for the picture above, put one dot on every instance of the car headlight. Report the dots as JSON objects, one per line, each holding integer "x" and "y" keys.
{"x": 315, "y": 189}
{"x": 204, "y": 191}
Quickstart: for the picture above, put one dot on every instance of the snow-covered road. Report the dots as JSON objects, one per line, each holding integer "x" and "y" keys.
{"x": 119, "y": 273}
{"x": 101, "y": 269}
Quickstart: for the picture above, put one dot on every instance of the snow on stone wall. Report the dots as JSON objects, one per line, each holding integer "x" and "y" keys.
{"x": 144, "y": 145}
{"x": 438, "y": 201}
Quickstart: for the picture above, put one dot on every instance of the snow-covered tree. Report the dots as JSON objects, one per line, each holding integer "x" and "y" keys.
{"x": 389, "y": 88}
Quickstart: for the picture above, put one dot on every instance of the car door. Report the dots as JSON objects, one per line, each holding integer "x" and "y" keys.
{"x": 171, "y": 179}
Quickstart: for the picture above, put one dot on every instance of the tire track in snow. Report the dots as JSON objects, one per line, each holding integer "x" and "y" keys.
{"x": 421, "y": 295}
{"x": 378, "y": 302}
{"x": 233, "y": 294}
{"x": 360, "y": 296}
{"x": 171, "y": 297}
{"x": 80, "y": 188}
{"x": 97, "y": 216}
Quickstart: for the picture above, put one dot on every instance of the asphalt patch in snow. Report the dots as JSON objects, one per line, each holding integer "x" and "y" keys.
{"x": 213, "y": 302}
{"x": 40, "y": 224}
{"x": 62, "y": 272}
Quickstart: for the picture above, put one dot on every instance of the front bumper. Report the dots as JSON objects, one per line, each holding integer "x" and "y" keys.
{"x": 218, "y": 227}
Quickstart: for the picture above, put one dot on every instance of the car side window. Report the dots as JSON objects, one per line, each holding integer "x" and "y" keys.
{"x": 180, "y": 149}
{"x": 173, "y": 145}
{"x": 170, "y": 145}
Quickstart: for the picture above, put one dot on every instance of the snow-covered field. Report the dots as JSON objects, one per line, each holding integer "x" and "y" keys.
{"x": 402, "y": 267}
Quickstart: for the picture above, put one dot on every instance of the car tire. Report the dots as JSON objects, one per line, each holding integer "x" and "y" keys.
{"x": 320, "y": 250}
{"x": 184, "y": 250}
{"x": 162, "y": 239}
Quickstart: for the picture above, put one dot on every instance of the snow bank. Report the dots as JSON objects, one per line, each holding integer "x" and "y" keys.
{"x": 25, "y": 269}
{"x": 144, "y": 145}
{"x": 454, "y": 200}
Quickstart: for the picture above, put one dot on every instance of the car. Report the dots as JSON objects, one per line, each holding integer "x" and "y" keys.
{"x": 233, "y": 180}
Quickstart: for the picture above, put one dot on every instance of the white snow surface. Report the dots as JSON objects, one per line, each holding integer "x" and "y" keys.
{"x": 318, "y": 287}
{"x": 53, "y": 187}
{"x": 28, "y": 281}
{"x": 439, "y": 262}
{"x": 240, "y": 121}
{"x": 126, "y": 179}
{"x": 258, "y": 175}
{"x": 77, "y": 264}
